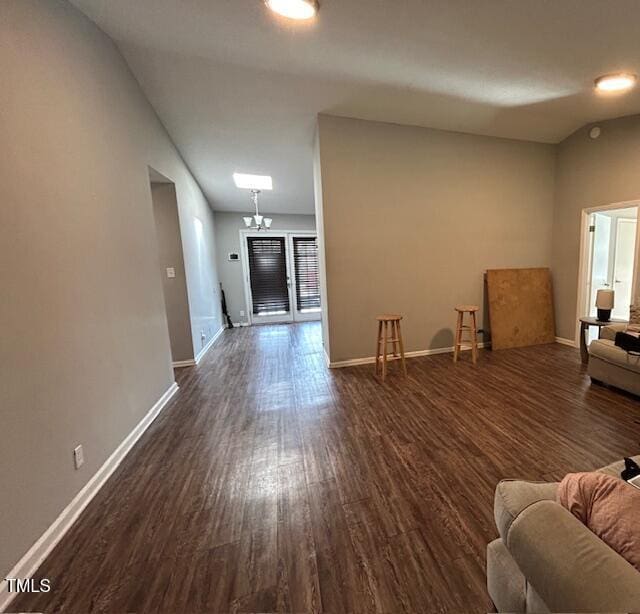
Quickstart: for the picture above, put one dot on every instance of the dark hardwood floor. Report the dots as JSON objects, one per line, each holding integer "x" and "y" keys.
{"x": 273, "y": 484}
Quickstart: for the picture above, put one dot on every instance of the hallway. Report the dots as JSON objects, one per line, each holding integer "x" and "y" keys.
{"x": 273, "y": 484}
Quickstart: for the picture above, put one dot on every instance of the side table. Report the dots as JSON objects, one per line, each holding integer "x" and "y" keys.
{"x": 585, "y": 323}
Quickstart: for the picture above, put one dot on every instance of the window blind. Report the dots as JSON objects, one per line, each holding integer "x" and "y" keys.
{"x": 268, "y": 274}
{"x": 305, "y": 258}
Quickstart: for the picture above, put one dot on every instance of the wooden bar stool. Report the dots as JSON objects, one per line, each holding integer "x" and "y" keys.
{"x": 389, "y": 332}
{"x": 471, "y": 329}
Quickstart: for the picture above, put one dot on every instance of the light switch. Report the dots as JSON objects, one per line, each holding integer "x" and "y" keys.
{"x": 78, "y": 456}
{"x": 171, "y": 272}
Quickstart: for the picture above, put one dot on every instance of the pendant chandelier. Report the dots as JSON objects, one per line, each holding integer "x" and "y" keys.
{"x": 257, "y": 222}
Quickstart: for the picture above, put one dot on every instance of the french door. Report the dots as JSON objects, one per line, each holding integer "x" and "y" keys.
{"x": 281, "y": 276}
{"x": 269, "y": 287}
{"x": 612, "y": 253}
{"x": 306, "y": 277}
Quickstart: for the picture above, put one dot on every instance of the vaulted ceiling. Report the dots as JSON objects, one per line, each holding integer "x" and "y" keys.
{"x": 239, "y": 88}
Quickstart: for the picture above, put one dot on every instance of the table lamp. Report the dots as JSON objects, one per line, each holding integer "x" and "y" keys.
{"x": 604, "y": 304}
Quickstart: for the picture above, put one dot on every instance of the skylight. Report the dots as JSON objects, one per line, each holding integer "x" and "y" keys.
{"x": 253, "y": 182}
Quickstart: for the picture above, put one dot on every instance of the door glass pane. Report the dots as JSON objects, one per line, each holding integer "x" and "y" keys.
{"x": 305, "y": 256}
{"x": 268, "y": 275}
{"x": 623, "y": 266}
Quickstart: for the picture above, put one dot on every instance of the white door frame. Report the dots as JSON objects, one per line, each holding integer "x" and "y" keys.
{"x": 293, "y": 315}
{"x": 584, "y": 267}
{"x": 276, "y": 318}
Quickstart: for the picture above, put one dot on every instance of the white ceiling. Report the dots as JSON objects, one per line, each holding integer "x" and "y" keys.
{"x": 239, "y": 88}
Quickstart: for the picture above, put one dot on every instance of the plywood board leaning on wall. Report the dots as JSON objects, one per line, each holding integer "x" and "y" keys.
{"x": 520, "y": 307}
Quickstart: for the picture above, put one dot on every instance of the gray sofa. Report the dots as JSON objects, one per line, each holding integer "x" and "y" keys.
{"x": 611, "y": 365}
{"x": 546, "y": 560}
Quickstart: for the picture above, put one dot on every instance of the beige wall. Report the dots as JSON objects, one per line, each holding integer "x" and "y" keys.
{"x": 165, "y": 213}
{"x": 590, "y": 173}
{"x": 84, "y": 352}
{"x": 413, "y": 217}
{"x": 227, "y": 240}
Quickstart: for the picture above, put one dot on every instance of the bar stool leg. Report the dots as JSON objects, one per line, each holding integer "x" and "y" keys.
{"x": 401, "y": 344}
{"x": 384, "y": 353}
{"x": 456, "y": 348}
{"x": 474, "y": 338}
{"x": 378, "y": 344}
{"x": 394, "y": 336}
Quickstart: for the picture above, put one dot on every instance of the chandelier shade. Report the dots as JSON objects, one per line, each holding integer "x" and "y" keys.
{"x": 257, "y": 222}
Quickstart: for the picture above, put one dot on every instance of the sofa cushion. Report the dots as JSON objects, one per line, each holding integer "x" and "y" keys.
{"x": 513, "y": 496}
{"x": 607, "y": 351}
{"x": 608, "y": 506}
{"x": 610, "y": 331}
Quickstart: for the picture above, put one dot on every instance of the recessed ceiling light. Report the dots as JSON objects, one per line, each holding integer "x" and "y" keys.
{"x": 253, "y": 182}
{"x": 294, "y": 9}
{"x": 616, "y": 82}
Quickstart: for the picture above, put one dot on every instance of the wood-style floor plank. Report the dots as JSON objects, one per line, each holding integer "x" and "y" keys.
{"x": 272, "y": 484}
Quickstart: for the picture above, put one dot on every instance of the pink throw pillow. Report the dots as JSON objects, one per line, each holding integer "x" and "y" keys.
{"x": 609, "y": 507}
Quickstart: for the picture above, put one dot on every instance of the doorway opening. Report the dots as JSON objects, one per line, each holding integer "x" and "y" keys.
{"x": 281, "y": 276}
{"x": 609, "y": 257}
{"x": 171, "y": 268}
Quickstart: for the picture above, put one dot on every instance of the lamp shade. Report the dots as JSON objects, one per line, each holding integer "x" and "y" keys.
{"x": 604, "y": 299}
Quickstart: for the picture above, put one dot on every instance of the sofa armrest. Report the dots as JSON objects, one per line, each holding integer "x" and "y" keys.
{"x": 569, "y": 566}
{"x": 609, "y": 331}
{"x": 512, "y": 496}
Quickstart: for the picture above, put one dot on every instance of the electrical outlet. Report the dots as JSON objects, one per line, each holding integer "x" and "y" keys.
{"x": 78, "y": 456}
{"x": 171, "y": 272}
{"x": 242, "y": 312}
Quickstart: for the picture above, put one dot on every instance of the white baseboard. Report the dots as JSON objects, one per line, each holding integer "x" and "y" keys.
{"x": 192, "y": 362}
{"x": 178, "y": 364}
{"x": 207, "y": 347}
{"x": 34, "y": 557}
{"x": 240, "y": 324}
{"x": 327, "y": 360}
{"x": 569, "y": 342}
{"x": 371, "y": 359}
